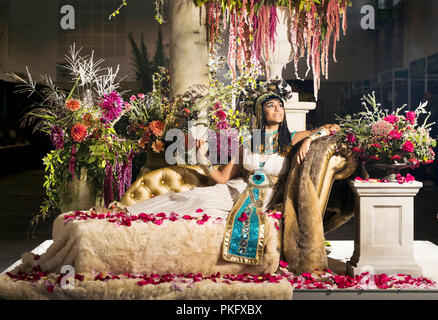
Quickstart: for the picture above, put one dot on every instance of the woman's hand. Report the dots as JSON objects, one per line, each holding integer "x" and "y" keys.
{"x": 332, "y": 127}
{"x": 304, "y": 148}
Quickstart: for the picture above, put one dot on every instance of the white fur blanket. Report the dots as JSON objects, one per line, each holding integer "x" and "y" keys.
{"x": 148, "y": 244}
{"x": 189, "y": 244}
{"x": 124, "y": 289}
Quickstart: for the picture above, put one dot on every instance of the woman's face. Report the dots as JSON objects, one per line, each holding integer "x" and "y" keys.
{"x": 274, "y": 112}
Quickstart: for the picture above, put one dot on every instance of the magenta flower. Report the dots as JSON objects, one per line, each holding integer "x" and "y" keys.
{"x": 410, "y": 116}
{"x": 400, "y": 178}
{"x": 391, "y": 119}
{"x": 221, "y": 115}
{"x": 283, "y": 264}
{"x": 395, "y": 134}
{"x": 56, "y": 136}
{"x": 408, "y": 146}
{"x": 112, "y": 106}
{"x": 351, "y": 138}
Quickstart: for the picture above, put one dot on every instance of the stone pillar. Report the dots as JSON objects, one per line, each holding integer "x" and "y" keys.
{"x": 296, "y": 114}
{"x": 188, "y": 46}
{"x": 384, "y": 230}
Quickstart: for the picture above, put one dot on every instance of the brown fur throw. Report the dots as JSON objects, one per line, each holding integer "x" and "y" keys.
{"x": 303, "y": 236}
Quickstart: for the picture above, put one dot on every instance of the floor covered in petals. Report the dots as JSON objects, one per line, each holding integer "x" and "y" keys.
{"x": 426, "y": 254}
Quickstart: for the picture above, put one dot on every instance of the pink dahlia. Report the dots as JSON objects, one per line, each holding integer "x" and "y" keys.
{"x": 391, "y": 119}
{"x": 410, "y": 116}
{"x": 408, "y": 146}
{"x": 112, "y": 106}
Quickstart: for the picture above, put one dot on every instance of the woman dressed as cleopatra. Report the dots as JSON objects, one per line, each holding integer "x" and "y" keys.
{"x": 242, "y": 199}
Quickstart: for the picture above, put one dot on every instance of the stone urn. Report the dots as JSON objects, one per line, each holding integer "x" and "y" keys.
{"x": 386, "y": 170}
{"x": 282, "y": 52}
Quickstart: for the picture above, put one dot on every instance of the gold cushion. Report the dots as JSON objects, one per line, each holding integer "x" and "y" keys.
{"x": 176, "y": 178}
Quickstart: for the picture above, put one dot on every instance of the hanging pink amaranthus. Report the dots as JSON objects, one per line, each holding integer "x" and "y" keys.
{"x": 254, "y": 27}
{"x": 123, "y": 171}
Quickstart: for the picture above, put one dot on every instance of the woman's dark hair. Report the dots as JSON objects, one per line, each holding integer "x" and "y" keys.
{"x": 284, "y": 136}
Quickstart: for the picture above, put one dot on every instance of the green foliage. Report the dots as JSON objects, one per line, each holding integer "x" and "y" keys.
{"x": 143, "y": 67}
{"x": 141, "y": 63}
{"x": 160, "y": 59}
{"x": 117, "y": 11}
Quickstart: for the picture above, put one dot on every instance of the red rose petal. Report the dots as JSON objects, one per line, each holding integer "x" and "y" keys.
{"x": 283, "y": 264}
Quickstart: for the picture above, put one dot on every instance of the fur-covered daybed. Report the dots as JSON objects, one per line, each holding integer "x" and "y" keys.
{"x": 112, "y": 244}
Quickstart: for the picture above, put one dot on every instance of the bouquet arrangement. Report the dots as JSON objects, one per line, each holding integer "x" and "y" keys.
{"x": 375, "y": 135}
{"x": 80, "y": 124}
{"x": 151, "y": 115}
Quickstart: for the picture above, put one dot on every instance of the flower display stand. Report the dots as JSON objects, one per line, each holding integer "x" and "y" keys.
{"x": 383, "y": 241}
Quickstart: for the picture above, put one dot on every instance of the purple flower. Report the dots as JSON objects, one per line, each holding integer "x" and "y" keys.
{"x": 112, "y": 106}
{"x": 56, "y": 135}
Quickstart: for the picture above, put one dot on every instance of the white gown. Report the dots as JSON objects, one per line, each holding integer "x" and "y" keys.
{"x": 216, "y": 200}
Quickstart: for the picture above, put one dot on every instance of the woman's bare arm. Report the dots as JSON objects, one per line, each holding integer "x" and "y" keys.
{"x": 298, "y": 136}
{"x": 229, "y": 171}
{"x": 304, "y": 148}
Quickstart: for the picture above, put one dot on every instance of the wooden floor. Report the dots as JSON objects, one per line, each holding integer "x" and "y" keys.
{"x": 21, "y": 195}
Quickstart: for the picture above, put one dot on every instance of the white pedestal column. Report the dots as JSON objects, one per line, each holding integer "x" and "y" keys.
{"x": 296, "y": 112}
{"x": 384, "y": 229}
